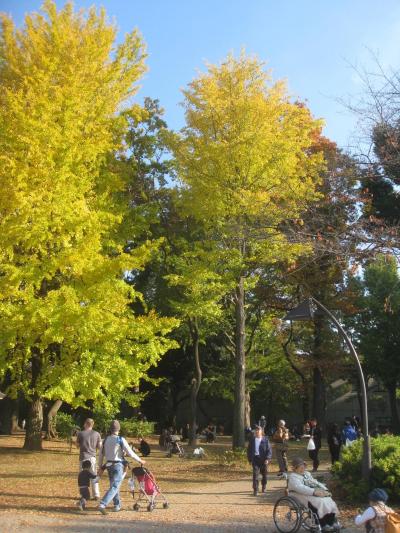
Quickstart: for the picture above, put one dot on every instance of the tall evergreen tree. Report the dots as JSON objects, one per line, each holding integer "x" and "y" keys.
{"x": 378, "y": 325}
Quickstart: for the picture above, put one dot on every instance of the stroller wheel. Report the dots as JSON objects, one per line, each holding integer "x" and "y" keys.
{"x": 136, "y": 507}
{"x": 150, "y": 507}
{"x": 165, "y": 505}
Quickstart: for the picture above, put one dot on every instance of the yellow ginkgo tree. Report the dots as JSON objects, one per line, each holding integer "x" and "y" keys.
{"x": 68, "y": 330}
{"x": 244, "y": 158}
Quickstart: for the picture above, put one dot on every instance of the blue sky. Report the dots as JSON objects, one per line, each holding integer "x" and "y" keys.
{"x": 308, "y": 42}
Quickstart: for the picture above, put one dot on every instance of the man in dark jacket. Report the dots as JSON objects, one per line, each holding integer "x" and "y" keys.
{"x": 259, "y": 453}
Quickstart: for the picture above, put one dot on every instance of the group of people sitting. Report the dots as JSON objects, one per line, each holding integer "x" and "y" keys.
{"x": 208, "y": 433}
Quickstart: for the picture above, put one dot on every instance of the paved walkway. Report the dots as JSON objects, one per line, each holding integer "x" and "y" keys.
{"x": 220, "y": 507}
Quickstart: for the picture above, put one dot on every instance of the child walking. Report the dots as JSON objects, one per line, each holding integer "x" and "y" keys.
{"x": 84, "y": 478}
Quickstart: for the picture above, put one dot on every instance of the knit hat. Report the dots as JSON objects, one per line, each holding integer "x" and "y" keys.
{"x": 298, "y": 461}
{"x": 115, "y": 426}
{"x": 378, "y": 495}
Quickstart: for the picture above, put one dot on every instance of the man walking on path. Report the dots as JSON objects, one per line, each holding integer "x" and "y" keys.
{"x": 113, "y": 450}
{"x": 89, "y": 441}
{"x": 259, "y": 453}
{"x": 281, "y": 439}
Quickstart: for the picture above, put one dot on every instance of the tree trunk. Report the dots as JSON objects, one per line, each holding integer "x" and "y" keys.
{"x": 9, "y": 407}
{"x": 34, "y": 422}
{"x": 8, "y": 416}
{"x": 33, "y": 436}
{"x": 247, "y": 410}
{"x": 238, "y": 440}
{"x": 305, "y": 396}
{"x": 136, "y": 409}
{"x": 319, "y": 396}
{"x": 394, "y": 413}
{"x": 306, "y": 404}
{"x": 319, "y": 387}
{"x": 196, "y": 382}
{"x": 51, "y": 432}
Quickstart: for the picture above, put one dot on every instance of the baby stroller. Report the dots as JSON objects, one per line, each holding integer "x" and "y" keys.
{"x": 174, "y": 447}
{"x": 148, "y": 489}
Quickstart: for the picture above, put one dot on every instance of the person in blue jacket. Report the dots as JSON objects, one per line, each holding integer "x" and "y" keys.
{"x": 259, "y": 453}
{"x": 349, "y": 434}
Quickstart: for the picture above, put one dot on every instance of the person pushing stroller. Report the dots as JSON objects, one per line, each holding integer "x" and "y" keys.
{"x": 113, "y": 450}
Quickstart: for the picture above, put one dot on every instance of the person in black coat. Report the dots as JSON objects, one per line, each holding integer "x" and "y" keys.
{"x": 259, "y": 453}
{"x": 334, "y": 442}
{"x": 316, "y": 435}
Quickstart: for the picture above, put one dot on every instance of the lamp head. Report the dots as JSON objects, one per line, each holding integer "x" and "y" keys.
{"x": 304, "y": 311}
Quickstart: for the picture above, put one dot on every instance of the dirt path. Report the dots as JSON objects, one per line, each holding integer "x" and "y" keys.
{"x": 38, "y": 492}
{"x": 225, "y": 506}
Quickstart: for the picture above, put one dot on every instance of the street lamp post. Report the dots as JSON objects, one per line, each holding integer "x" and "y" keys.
{"x": 305, "y": 311}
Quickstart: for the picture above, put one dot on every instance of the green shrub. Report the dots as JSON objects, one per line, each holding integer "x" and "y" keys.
{"x": 102, "y": 420}
{"x": 385, "y": 468}
{"x": 65, "y": 424}
{"x": 136, "y": 428}
{"x": 129, "y": 426}
{"x": 232, "y": 458}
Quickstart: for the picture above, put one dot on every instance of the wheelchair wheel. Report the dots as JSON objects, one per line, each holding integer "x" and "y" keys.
{"x": 310, "y": 521}
{"x": 287, "y": 515}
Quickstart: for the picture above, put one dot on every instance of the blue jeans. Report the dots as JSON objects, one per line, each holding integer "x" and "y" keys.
{"x": 116, "y": 475}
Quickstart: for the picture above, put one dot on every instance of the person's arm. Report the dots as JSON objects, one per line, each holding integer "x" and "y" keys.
{"x": 367, "y": 515}
{"x": 77, "y": 441}
{"x": 130, "y": 452}
{"x": 96, "y": 478}
{"x": 249, "y": 451}
{"x": 102, "y": 453}
{"x": 295, "y": 484}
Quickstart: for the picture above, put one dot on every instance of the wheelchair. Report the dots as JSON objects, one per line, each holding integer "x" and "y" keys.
{"x": 290, "y": 515}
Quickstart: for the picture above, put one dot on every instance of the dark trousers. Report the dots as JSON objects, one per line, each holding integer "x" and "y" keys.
{"x": 281, "y": 455}
{"x": 85, "y": 495}
{"x": 313, "y": 455}
{"x": 259, "y": 467}
{"x": 335, "y": 453}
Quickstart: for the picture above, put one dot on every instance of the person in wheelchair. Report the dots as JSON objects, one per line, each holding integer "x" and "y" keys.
{"x": 313, "y": 494}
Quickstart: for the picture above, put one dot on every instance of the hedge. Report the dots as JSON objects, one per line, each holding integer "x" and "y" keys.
{"x": 385, "y": 469}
